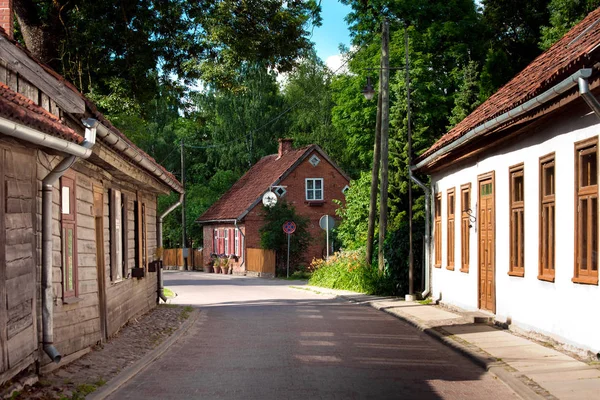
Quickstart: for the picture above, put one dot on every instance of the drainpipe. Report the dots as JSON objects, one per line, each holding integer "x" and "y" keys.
{"x": 545, "y": 97}
{"x": 159, "y": 277}
{"x": 241, "y": 244}
{"x": 427, "y": 288}
{"x": 590, "y": 99}
{"x": 47, "y": 189}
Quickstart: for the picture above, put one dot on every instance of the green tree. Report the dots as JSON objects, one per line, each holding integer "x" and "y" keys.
{"x": 272, "y": 236}
{"x": 352, "y": 231}
{"x": 564, "y": 14}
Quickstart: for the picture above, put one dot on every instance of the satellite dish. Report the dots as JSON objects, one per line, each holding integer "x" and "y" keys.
{"x": 269, "y": 199}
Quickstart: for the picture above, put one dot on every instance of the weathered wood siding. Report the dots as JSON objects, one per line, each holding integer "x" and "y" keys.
{"x": 130, "y": 297}
{"x": 17, "y": 260}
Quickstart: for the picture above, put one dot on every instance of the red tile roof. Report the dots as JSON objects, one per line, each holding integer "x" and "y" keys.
{"x": 565, "y": 57}
{"x": 18, "y": 108}
{"x": 250, "y": 187}
{"x": 89, "y": 104}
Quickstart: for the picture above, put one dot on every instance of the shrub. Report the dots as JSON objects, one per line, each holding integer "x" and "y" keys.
{"x": 347, "y": 270}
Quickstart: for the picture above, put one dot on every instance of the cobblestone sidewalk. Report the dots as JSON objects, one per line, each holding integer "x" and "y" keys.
{"x": 131, "y": 343}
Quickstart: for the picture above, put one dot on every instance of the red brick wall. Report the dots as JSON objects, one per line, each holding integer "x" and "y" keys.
{"x": 208, "y": 233}
{"x": 333, "y": 183}
{"x": 6, "y": 16}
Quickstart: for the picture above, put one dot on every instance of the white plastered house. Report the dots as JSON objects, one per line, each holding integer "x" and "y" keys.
{"x": 515, "y": 197}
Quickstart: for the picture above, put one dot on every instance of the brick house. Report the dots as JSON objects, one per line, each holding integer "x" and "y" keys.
{"x": 78, "y": 218}
{"x": 306, "y": 178}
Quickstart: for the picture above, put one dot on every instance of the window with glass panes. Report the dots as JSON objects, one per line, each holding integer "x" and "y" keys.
{"x": 69, "y": 237}
{"x": 314, "y": 189}
{"x": 451, "y": 231}
{"x": 437, "y": 230}
{"x": 517, "y": 224}
{"x": 547, "y": 217}
{"x": 465, "y": 226}
{"x": 586, "y": 212}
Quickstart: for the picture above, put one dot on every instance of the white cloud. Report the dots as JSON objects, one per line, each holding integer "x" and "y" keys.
{"x": 335, "y": 62}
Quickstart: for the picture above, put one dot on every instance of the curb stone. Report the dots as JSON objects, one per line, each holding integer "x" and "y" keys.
{"x": 490, "y": 364}
{"x": 128, "y": 373}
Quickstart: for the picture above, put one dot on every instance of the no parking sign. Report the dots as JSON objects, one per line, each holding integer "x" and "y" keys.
{"x": 289, "y": 227}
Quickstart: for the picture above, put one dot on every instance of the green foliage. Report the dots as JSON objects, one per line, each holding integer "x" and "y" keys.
{"x": 396, "y": 248}
{"x": 272, "y": 236}
{"x": 564, "y": 14}
{"x": 467, "y": 96}
{"x": 352, "y": 231}
{"x": 347, "y": 270}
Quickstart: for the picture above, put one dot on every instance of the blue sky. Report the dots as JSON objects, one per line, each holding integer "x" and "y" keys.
{"x": 332, "y": 32}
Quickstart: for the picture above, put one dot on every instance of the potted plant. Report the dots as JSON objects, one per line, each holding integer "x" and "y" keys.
{"x": 225, "y": 265}
{"x": 208, "y": 266}
{"x": 217, "y": 265}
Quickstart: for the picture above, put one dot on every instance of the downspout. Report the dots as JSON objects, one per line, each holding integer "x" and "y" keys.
{"x": 545, "y": 97}
{"x": 47, "y": 189}
{"x": 427, "y": 288}
{"x": 241, "y": 244}
{"x": 159, "y": 277}
{"x": 590, "y": 99}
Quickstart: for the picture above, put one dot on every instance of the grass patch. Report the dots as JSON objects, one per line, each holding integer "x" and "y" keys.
{"x": 168, "y": 293}
{"x": 185, "y": 314}
{"x": 347, "y": 270}
{"x": 426, "y": 301}
{"x": 163, "y": 305}
{"x": 298, "y": 275}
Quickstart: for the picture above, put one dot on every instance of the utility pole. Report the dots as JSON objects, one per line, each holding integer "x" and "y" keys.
{"x": 385, "y": 124}
{"x": 374, "y": 178}
{"x": 183, "y": 241}
{"x": 411, "y": 288}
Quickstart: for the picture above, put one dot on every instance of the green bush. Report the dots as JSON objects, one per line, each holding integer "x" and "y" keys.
{"x": 347, "y": 270}
{"x": 396, "y": 248}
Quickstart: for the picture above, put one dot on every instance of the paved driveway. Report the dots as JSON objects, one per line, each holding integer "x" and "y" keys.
{"x": 261, "y": 339}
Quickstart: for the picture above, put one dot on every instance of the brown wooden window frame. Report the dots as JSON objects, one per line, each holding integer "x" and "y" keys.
{"x": 450, "y": 228}
{"x": 69, "y": 224}
{"x": 437, "y": 229}
{"x": 547, "y": 239}
{"x": 125, "y": 234}
{"x": 589, "y": 194}
{"x": 465, "y": 227}
{"x": 517, "y": 221}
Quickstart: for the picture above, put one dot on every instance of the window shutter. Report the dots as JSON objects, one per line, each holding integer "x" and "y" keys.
{"x": 231, "y": 244}
{"x": 125, "y": 234}
{"x": 240, "y": 242}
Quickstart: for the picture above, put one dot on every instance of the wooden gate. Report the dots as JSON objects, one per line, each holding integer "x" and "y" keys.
{"x": 487, "y": 243}
{"x": 261, "y": 261}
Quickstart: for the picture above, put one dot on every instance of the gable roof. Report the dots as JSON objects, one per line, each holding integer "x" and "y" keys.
{"x": 576, "y": 50}
{"x": 44, "y": 118}
{"x": 248, "y": 190}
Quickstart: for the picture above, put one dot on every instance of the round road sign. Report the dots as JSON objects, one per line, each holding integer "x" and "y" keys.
{"x": 327, "y": 222}
{"x": 289, "y": 227}
{"x": 269, "y": 199}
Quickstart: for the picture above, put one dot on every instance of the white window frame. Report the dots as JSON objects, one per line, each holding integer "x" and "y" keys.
{"x": 306, "y": 189}
{"x": 226, "y": 242}
{"x": 236, "y": 242}
{"x": 215, "y": 241}
{"x": 314, "y": 160}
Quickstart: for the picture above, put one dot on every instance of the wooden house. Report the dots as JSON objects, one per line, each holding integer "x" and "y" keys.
{"x": 306, "y": 178}
{"x": 515, "y": 197}
{"x": 78, "y": 218}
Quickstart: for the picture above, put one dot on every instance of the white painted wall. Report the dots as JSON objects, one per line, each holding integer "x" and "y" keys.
{"x": 565, "y": 310}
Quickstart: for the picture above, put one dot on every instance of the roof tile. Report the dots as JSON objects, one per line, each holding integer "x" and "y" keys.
{"x": 252, "y": 185}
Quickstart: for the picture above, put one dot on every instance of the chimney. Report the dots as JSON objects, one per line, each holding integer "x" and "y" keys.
{"x": 6, "y": 16}
{"x": 285, "y": 145}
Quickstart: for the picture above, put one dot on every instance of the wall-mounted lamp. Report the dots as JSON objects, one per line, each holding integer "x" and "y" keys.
{"x": 368, "y": 90}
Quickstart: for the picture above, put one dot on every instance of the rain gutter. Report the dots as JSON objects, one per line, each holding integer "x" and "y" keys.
{"x": 515, "y": 112}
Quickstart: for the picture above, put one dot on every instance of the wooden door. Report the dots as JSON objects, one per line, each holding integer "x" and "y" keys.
{"x": 487, "y": 244}
{"x": 100, "y": 271}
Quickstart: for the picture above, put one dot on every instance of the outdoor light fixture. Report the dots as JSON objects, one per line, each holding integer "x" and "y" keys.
{"x": 368, "y": 90}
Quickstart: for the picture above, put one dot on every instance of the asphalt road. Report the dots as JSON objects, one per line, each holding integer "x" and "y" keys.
{"x": 261, "y": 339}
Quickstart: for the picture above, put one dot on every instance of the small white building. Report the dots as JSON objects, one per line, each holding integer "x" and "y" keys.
{"x": 515, "y": 197}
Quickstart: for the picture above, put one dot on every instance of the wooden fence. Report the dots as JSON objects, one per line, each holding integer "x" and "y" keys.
{"x": 174, "y": 258}
{"x": 261, "y": 261}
